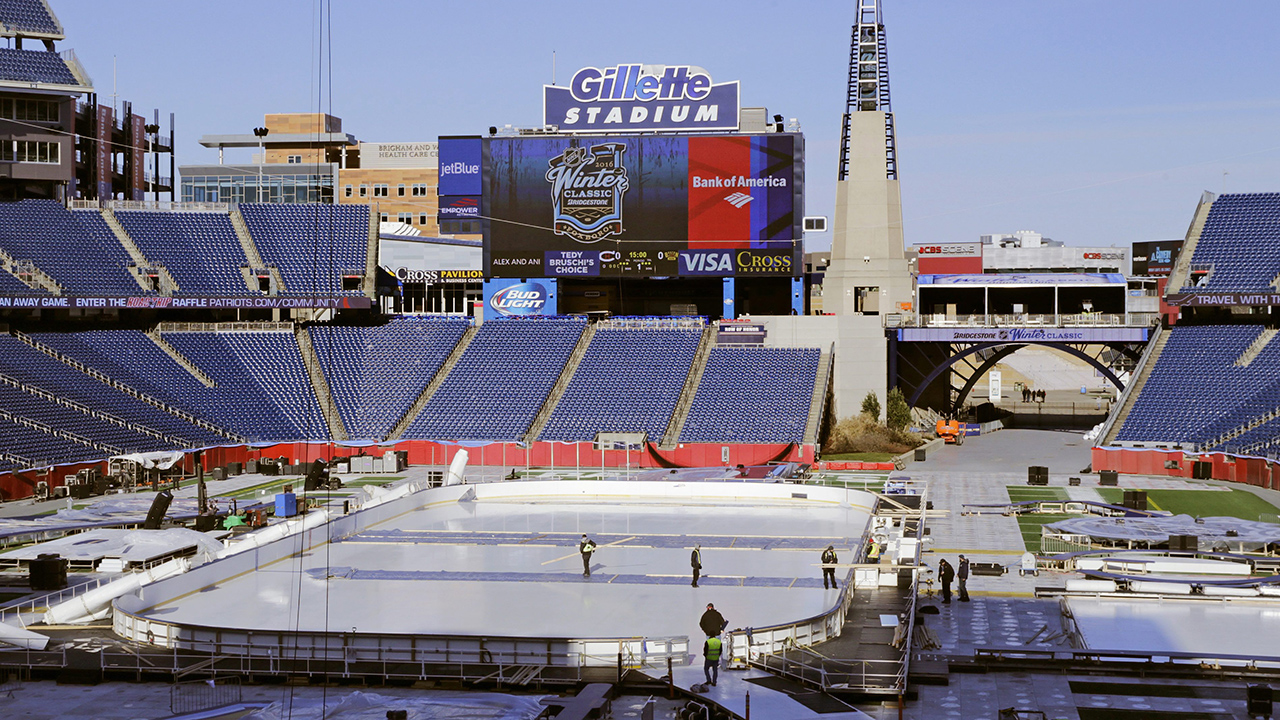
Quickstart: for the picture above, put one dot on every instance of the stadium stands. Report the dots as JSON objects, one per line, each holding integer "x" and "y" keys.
{"x": 1196, "y": 392}
{"x": 76, "y": 249}
{"x": 628, "y": 381}
{"x": 39, "y": 448}
{"x": 33, "y": 368}
{"x": 28, "y": 16}
{"x": 753, "y": 395}
{"x": 501, "y": 380}
{"x": 262, "y": 391}
{"x": 35, "y": 66}
{"x": 1241, "y": 240}
{"x": 311, "y": 245}
{"x": 376, "y": 373}
{"x": 200, "y": 250}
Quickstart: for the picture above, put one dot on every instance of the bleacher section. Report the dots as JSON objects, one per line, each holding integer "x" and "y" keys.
{"x": 375, "y": 373}
{"x": 199, "y": 249}
{"x": 1196, "y": 392}
{"x": 37, "y": 370}
{"x": 753, "y": 395}
{"x": 311, "y": 245}
{"x": 262, "y": 387}
{"x": 1241, "y": 240}
{"x": 501, "y": 381}
{"x": 28, "y": 16}
{"x": 35, "y": 66}
{"x": 76, "y": 249}
{"x": 628, "y": 381}
{"x": 43, "y": 448}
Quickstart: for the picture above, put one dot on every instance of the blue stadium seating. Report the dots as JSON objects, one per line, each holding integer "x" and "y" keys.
{"x": 32, "y": 367}
{"x": 629, "y": 380}
{"x": 310, "y": 244}
{"x": 1241, "y": 240}
{"x": 42, "y": 448}
{"x": 376, "y": 373}
{"x": 11, "y": 286}
{"x": 263, "y": 391}
{"x": 200, "y": 250}
{"x": 30, "y": 16}
{"x": 1196, "y": 393}
{"x": 75, "y": 248}
{"x": 35, "y": 66}
{"x": 501, "y": 381}
{"x": 753, "y": 395}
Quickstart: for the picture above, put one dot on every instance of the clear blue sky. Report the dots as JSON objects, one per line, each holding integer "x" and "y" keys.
{"x": 1095, "y": 123}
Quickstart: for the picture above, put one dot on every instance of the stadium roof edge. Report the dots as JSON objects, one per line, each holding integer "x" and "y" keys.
{"x": 252, "y": 141}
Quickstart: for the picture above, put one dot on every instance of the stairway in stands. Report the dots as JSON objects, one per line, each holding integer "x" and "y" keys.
{"x": 681, "y": 413}
{"x": 320, "y": 385}
{"x": 425, "y": 396}
{"x": 140, "y": 262}
{"x": 254, "y": 257}
{"x": 1136, "y": 383}
{"x": 562, "y": 384}
{"x": 30, "y": 275}
{"x": 1181, "y": 273}
{"x": 821, "y": 389}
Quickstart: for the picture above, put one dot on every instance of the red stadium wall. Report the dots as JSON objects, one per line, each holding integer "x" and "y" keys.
{"x": 1259, "y": 472}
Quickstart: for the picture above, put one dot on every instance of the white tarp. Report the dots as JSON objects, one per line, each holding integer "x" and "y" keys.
{"x": 133, "y": 546}
{"x": 150, "y": 460}
{"x": 1212, "y": 531}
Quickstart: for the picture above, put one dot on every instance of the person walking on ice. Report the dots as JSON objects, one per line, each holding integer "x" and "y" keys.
{"x": 828, "y": 572}
{"x": 586, "y": 547}
{"x": 695, "y": 561}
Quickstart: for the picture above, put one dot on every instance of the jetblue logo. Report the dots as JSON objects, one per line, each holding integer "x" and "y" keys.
{"x": 738, "y": 199}
{"x": 459, "y": 168}
{"x": 706, "y": 262}
{"x": 522, "y": 299}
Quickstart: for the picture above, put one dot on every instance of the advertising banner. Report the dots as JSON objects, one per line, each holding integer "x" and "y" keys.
{"x": 1222, "y": 299}
{"x": 459, "y": 163}
{"x": 634, "y": 98}
{"x": 1024, "y": 335}
{"x": 1155, "y": 258}
{"x": 737, "y": 333}
{"x": 434, "y": 277}
{"x": 515, "y": 298}
{"x": 643, "y": 206}
{"x": 459, "y": 207}
{"x": 103, "y": 137}
{"x": 137, "y": 157}
{"x": 157, "y": 302}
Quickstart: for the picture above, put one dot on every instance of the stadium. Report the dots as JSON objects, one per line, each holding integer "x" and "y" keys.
{"x": 332, "y": 433}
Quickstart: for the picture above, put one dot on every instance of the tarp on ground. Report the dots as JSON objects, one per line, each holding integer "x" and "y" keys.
{"x": 1212, "y": 531}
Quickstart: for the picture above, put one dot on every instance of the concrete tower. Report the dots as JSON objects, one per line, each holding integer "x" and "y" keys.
{"x": 868, "y": 271}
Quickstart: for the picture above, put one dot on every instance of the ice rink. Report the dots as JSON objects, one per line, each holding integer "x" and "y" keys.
{"x": 506, "y": 564}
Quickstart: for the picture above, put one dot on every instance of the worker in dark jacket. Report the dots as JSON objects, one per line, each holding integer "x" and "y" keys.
{"x": 828, "y": 571}
{"x": 586, "y": 547}
{"x": 695, "y": 561}
{"x": 712, "y": 621}
{"x": 962, "y": 576}
{"x": 946, "y": 574}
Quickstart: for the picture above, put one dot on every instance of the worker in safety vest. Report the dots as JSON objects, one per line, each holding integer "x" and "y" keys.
{"x": 711, "y": 663}
{"x": 873, "y": 551}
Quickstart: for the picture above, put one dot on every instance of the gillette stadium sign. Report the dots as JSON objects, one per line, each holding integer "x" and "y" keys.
{"x": 635, "y": 98}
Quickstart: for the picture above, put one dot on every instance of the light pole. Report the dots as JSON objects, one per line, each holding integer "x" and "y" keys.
{"x": 261, "y": 134}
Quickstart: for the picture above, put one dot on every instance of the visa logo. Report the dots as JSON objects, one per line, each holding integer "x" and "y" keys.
{"x": 706, "y": 262}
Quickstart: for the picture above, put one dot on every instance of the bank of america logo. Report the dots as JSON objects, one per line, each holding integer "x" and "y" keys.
{"x": 738, "y": 199}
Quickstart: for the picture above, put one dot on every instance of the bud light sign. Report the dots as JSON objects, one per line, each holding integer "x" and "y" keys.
{"x": 518, "y": 300}
{"x": 634, "y": 97}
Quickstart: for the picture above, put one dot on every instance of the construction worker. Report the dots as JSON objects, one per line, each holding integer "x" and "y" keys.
{"x": 963, "y": 576}
{"x": 586, "y": 547}
{"x": 873, "y": 551}
{"x": 695, "y": 561}
{"x": 712, "y": 622}
{"x": 711, "y": 662}
{"x": 946, "y": 574}
{"x": 828, "y": 572}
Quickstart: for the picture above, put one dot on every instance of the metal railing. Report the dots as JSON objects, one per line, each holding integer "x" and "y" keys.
{"x": 1132, "y": 319}
{"x": 167, "y": 206}
{"x": 12, "y": 614}
{"x": 225, "y": 327}
{"x": 194, "y": 696}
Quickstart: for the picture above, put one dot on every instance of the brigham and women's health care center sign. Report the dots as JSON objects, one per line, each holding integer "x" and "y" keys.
{"x": 634, "y": 97}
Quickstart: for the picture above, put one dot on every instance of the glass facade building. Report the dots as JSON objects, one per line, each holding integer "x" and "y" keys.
{"x": 272, "y": 182}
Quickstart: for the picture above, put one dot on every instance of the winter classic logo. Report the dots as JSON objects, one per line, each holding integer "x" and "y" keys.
{"x": 523, "y": 299}
{"x": 587, "y": 185}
